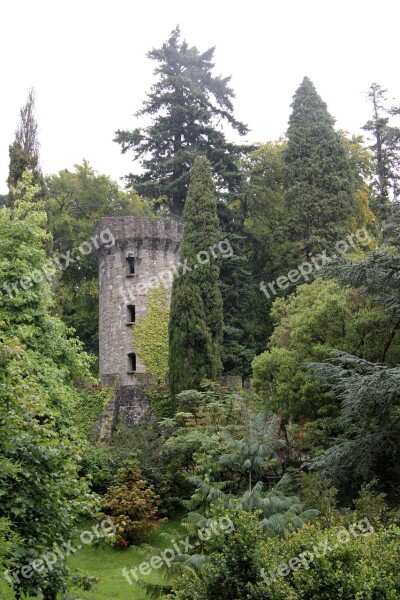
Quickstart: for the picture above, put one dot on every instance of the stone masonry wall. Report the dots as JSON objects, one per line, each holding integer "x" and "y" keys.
{"x": 154, "y": 246}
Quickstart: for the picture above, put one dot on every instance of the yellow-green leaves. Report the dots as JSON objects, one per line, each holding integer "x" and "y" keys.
{"x": 151, "y": 335}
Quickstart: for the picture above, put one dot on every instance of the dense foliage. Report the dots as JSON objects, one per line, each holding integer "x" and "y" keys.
{"x": 309, "y": 323}
{"x": 318, "y": 178}
{"x": 130, "y": 504}
{"x": 41, "y": 491}
{"x": 305, "y": 458}
{"x": 310, "y": 563}
{"x": 195, "y": 329}
{"x": 151, "y": 335}
{"x": 186, "y": 106}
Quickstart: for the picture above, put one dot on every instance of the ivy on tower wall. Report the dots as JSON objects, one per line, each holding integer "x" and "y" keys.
{"x": 151, "y": 335}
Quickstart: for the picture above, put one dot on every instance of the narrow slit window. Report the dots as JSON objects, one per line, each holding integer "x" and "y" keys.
{"x": 130, "y": 265}
{"x": 132, "y": 361}
{"x": 131, "y": 313}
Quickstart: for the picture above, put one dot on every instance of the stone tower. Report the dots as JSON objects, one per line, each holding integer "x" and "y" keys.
{"x": 140, "y": 255}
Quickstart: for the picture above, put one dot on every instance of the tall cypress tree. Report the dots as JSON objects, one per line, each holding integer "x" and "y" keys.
{"x": 195, "y": 328}
{"x": 319, "y": 180}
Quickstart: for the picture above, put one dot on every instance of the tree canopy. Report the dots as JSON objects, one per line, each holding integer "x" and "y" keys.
{"x": 186, "y": 106}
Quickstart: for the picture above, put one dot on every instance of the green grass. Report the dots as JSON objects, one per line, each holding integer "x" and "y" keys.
{"x": 106, "y": 563}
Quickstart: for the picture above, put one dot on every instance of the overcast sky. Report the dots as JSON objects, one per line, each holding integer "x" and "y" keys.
{"x": 87, "y": 62}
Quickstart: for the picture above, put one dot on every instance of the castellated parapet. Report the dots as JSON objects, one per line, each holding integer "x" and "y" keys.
{"x": 142, "y": 253}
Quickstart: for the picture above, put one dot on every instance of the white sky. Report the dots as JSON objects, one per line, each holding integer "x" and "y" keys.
{"x": 87, "y": 62}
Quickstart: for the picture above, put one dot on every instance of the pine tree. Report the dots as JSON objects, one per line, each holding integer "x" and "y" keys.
{"x": 195, "y": 328}
{"x": 187, "y": 105}
{"x": 131, "y": 505}
{"x": 318, "y": 176}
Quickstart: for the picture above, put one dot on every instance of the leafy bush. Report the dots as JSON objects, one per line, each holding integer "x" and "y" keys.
{"x": 372, "y": 503}
{"x": 232, "y": 563}
{"x": 319, "y": 316}
{"x": 145, "y": 443}
{"x": 318, "y": 493}
{"x": 98, "y": 467}
{"x": 131, "y": 504}
{"x": 359, "y": 567}
{"x": 244, "y": 565}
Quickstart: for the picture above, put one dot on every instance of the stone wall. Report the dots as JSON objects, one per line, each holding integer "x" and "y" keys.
{"x": 153, "y": 244}
{"x": 129, "y": 405}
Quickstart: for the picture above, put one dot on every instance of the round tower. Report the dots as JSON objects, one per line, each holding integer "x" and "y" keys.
{"x": 137, "y": 256}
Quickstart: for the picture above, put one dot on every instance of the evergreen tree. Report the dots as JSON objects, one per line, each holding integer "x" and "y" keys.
{"x": 319, "y": 181}
{"x": 368, "y": 390}
{"x": 186, "y": 104}
{"x": 24, "y": 151}
{"x": 238, "y": 296}
{"x": 368, "y": 445}
{"x": 131, "y": 505}
{"x": 385, "y": 149}
{"x": 195, "y": 328}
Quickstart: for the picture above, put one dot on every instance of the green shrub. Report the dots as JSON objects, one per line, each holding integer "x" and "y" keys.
{"x": 339, "y": 563}
{"x": 232, "y": 563}
{"x": 353, "y": 563}
{"x": 372, "y": 503}
{"x": 98, "y": 466}
{"x": 317, "y": 492}
{"x": 131, "y": 504}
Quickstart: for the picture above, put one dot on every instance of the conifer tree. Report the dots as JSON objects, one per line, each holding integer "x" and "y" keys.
{"x": 369, "y": 440}
{"x": 385, "y": 150}
{"x": 187, "y": 104}
{"x": 319, "y": 181}
{"x": 195, "y": 328}
{"x": 24, "y": 151}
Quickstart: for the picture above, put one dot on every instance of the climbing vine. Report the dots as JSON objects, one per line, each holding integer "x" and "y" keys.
{"x": 89, "y": 407}
{"x": 151, "y": 335}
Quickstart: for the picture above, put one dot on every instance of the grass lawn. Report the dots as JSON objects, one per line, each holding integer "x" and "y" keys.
{"x": 106, "y": 563}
